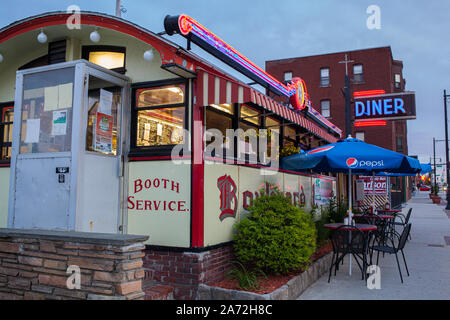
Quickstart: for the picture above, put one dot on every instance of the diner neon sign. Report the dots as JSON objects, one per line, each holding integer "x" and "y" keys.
{"x": 195, "y": 32}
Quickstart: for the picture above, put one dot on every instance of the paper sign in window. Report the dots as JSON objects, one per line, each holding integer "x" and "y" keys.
{"x": 105, "y": 103}
{"x": 59, "y": 123}
{"x": 50, "y": 98}
{"x": 103, "y": 134}
{"x": 65, "y": 96}
{"x": 33, "y": 129}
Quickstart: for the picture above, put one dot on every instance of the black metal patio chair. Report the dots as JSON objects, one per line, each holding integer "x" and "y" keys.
{"x": 346, "y": 240}
{"x": 404, "y": 220}
{"x": 395, "y": 248}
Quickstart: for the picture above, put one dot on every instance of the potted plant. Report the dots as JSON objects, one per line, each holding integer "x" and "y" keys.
{"x": 435, "y": 194}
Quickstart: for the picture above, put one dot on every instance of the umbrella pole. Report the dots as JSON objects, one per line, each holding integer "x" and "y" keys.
{"x": 350, "y": 217}
{"x": 373, "y": 192}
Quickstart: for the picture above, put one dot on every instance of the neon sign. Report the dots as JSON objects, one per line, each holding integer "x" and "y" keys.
{"x": 387, "y": 106}
{"x": 205, "y": 39}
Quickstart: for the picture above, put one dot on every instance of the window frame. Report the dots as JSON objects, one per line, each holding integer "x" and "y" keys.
{"x": 233, "y": 118}
{"x": 86, "y": 50}
{"x": 397, "y": 84}
{"x": 329, "y": 108}
{"x": 322, "y": 84}
{"x": 4, "y": 106}
{"x": 399, "y": 147}
{"x": 163, "y": 150}
{"x": 363, "y": 133}
{"x": 361, "y": 75}
{"x": 284, "y": 76}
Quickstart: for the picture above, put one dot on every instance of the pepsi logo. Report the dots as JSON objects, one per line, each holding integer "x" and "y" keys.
{"x": 352, "y": 162}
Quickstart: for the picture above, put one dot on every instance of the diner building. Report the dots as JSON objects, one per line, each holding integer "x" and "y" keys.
{"x": 91, "y": 117}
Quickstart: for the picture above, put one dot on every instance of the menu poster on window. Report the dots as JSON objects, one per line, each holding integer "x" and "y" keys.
{"x": 105, "y": 104}
{"x": 103, "y": 134}
{"x": 59, "y": 123}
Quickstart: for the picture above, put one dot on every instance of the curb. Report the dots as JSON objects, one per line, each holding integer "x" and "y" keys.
{"x": 290, "y": 291}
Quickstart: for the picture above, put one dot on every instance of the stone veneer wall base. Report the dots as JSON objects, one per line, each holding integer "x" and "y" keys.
{"x": 34, "y": 265}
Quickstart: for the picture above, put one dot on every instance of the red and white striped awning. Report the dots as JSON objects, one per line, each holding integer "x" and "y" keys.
{"x": 214, "y": 89}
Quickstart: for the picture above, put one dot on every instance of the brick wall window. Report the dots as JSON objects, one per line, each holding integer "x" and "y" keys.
{"x": 287, "y": 76}
{"x": 325, "y": 108}
{"x": 325, "y": 77}
{"x": 400, "y": 144}
{"x": 360, "y": 135}
{"x": 398, "y": 81}
{"x": 358, "y": 73}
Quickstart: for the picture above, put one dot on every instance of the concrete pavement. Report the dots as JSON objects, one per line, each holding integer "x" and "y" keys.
{"x": 427, "y": 255}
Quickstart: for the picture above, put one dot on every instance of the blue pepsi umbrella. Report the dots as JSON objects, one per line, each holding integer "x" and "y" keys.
{"x": 351, "y": 156}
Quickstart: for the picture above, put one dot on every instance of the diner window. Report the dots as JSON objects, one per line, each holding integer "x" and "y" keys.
{"x": 6, "y": 131}
{"x": 325, "y": 108}
{"x": 272, "y": 126}
{"x": 325, "y": 77}
{"x": 109, "y": 57}
{"x": 360, "y": 135}
{"x": 288, "y": 76}
{"x": 398, "y": 81}
{"x": 358, "y": 73}
{"x": 250, "y": 119}
{"x": 289, "y": 137}
{"x": 161, "y": 113}
{"x": 220, "y": 117}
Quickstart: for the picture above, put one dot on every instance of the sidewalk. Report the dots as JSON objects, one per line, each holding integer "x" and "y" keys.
{"x": 427, "y": 255}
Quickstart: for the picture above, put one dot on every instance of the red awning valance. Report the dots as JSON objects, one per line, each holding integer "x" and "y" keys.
{"x": 215, "y": 89}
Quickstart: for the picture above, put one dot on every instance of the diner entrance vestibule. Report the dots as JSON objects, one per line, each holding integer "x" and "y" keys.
{"x": 69, "y": 137}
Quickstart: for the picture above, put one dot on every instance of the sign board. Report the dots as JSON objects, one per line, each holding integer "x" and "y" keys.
{"x": 323, "y": 191}
{"x": 230, "y": 190}
{"x": 395, "y": 106}
{"x": 159, "y": 202}
{"x": 380, "y": 186}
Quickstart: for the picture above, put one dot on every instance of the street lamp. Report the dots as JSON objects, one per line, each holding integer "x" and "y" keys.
{"x": 446, "y": 150}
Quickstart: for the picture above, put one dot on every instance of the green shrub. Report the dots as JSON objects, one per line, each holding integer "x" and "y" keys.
{"x": 275, "y": 236}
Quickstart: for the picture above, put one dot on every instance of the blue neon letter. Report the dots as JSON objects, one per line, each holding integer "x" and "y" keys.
{"x": 359, "y": 108}
{"x": 388, "y": 106}
{"x": 398, "y": 105}
{"x": 377, "y": 107}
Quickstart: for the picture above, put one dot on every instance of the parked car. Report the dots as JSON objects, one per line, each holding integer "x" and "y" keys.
{"x": 425, "y": 188}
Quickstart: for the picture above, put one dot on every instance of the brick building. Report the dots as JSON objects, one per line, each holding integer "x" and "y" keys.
{"x": 370, "y": 69}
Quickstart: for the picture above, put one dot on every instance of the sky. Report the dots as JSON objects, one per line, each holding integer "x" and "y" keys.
{"x": 262, "y": 30}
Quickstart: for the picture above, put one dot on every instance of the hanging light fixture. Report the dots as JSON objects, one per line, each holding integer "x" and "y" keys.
{"x": 42, "y": 37}
{"x": 95, "y": 36}
{"x": 149, "y": 55}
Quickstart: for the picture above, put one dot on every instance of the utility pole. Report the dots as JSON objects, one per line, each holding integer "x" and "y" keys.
{"x": 446, "y": 151}
{"x": 347, "y": 93}
{"x": 119, "y": 8}
{"x": 434, "y": 160}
